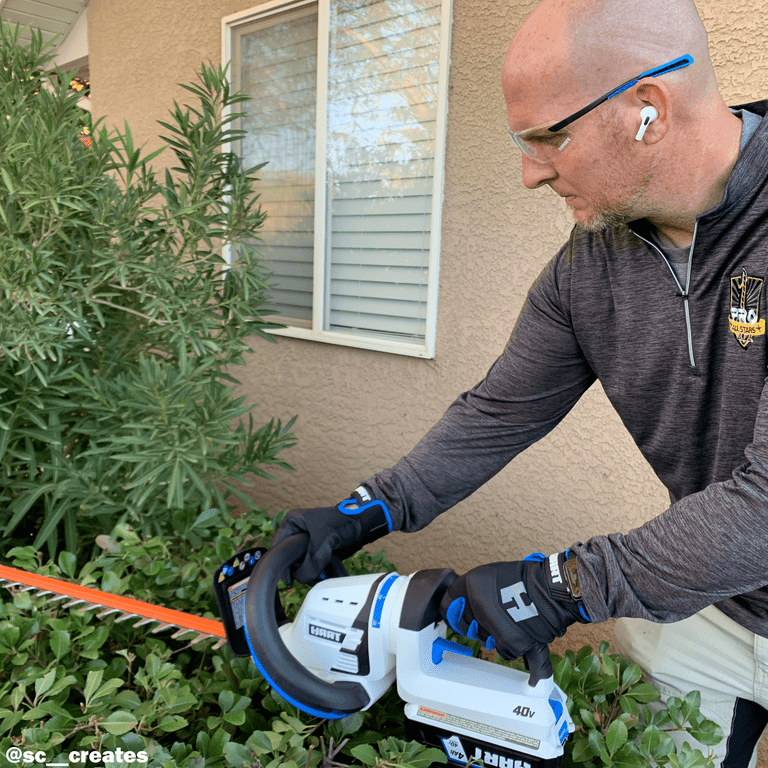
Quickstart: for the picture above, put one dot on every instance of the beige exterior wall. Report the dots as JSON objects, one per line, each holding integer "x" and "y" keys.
{"x": 360, "y": 411}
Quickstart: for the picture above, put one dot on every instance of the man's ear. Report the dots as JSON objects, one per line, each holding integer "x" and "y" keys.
{"x": 652, "y": 102}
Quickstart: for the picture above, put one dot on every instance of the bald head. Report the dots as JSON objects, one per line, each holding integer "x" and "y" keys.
{"x": 576, "y": 50}
{"x": 569, "y": 53}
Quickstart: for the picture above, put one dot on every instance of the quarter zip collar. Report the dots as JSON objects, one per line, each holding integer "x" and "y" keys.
{"x": 750, "y": 169}
{"x": 683, "y": 291}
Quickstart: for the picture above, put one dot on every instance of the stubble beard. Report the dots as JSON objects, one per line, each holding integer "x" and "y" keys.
{"x": 608, "y": 215}
{"x": 633, "y": 203}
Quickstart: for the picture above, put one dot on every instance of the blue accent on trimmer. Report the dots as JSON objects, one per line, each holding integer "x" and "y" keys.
{"x": 557, "y": 708}
{"x": 535, "y": 557}
{"x": 381, "y": 598}
{"x": 331, "y": 715}
{"x": 441, "y": 645}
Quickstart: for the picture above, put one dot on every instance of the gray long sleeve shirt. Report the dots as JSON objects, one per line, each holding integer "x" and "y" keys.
{"x": 682, "y": 362}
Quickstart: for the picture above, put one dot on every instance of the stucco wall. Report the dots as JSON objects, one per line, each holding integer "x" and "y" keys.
{"x": 360, "y": 411}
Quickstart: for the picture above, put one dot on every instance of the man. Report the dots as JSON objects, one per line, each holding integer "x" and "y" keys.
{"x": 659, "y": 294}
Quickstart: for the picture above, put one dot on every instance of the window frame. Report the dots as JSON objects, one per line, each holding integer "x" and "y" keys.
{"x": 321, "y": 245}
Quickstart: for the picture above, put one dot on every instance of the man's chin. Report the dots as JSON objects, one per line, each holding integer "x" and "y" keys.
{"x": 600, "y": 220}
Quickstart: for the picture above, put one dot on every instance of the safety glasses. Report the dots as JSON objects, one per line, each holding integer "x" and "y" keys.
{"x": 545, "y": 142}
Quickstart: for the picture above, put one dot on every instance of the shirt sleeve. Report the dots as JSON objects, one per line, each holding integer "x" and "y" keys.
{"x": 528, "y": 390}
{"x": 706, "y": 548}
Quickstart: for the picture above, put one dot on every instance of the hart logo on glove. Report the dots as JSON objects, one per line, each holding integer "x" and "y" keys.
{"x": 554, "y": 569}
{"x": 520, "y": 609}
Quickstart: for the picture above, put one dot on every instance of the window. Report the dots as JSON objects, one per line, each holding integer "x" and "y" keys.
{"x": 348, "y": 107}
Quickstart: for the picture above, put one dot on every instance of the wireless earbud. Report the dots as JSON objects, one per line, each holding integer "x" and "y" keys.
{"x": 647, "y": 116}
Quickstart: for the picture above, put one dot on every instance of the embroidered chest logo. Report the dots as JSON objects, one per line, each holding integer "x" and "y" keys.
{"x": 745, "y": 321}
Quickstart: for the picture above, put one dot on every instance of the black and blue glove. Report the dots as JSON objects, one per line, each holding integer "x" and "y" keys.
{"x": 519, "y": 607}
{"x": 335, "y": 533}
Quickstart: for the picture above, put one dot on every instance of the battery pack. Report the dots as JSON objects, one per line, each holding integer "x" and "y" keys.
{"x": 460, "y": 748}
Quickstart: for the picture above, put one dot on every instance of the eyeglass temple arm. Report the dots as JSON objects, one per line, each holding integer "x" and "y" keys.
{"x": 680, "y": 63}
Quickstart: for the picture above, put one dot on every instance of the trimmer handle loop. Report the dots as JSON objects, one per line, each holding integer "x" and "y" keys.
{"x": 277, "y": 664}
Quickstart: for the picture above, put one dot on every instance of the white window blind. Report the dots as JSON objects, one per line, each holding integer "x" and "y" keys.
{"x": 277, "y": 58}
{"x": 353, "y": 188}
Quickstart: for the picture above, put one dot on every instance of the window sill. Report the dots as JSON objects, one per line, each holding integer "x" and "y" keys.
{"x": 393, "y": 346}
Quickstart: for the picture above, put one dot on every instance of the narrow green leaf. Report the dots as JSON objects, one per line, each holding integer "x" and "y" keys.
{"x": 44, "y": 684}
{"x": 21, "y": 505}
{"x": 52, "y": 519}
{"x": 17, "y": 695}
{"x": 563, "y": 672}
{"x": 7, "y": 179}
{"x": 92, "y": 683}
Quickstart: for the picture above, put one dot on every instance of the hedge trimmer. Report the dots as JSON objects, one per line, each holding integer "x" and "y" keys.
{"x": 353, "y": 637}
{"x": 88, "y": 599}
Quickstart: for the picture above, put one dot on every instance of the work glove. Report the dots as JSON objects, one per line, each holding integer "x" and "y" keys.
{"x": 335, "y": 533}
{"x": 518, "y": 608}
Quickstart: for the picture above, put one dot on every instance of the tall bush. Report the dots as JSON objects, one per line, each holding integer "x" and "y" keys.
{"x": 121, "y": 322}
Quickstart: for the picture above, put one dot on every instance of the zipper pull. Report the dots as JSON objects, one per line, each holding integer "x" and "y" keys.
{"x": 683, "y": 295}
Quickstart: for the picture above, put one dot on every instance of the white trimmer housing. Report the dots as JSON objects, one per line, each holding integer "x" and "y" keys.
{"x": 374, "y": 629}
{"x": 332, "y": 635}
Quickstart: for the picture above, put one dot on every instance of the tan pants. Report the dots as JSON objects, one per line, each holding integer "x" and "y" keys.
{"x": 714, "y": 655}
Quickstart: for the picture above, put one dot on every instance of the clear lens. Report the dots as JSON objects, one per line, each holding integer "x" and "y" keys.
{"x": 541, "y": 145}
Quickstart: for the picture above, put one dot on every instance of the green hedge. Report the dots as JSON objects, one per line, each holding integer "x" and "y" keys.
{"x": 71, "y": 681}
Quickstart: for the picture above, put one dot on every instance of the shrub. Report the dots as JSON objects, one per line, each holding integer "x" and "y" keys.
{"x": 121, "y": 321}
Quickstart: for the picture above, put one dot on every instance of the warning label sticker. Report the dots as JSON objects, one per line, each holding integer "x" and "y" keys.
{"x": 481, "y": 729}
{"x": 237, "y": 600}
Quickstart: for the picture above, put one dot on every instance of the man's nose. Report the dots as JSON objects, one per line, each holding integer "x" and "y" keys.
{"x": 536, "y": 174}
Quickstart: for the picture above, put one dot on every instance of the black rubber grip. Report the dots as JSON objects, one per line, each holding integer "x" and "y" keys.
{"x": 291, "y": 679}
